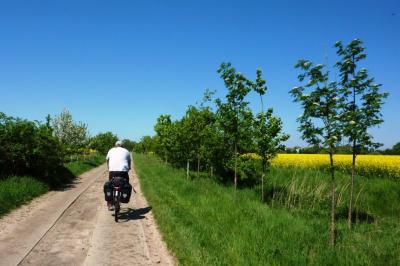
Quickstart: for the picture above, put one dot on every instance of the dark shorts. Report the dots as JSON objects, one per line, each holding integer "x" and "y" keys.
{"x": 123, "y": 174}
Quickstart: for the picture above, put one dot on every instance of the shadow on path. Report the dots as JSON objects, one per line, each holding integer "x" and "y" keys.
{"x": 133, "y": 214}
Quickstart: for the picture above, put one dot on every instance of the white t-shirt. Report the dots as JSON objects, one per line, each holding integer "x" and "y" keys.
{"x": 118, "y": 159}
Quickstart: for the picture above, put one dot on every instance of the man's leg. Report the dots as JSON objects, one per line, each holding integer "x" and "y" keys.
{"x": 126, "y": 175}
{"x": 109, "y": 203}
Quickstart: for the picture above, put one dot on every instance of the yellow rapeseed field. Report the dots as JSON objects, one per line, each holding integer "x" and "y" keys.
{"x": 368, "y": 165}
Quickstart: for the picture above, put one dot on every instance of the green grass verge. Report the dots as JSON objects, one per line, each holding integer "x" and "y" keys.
{"x": 311, "y": 190}
{"x": 80, "y": 167}
{"x": 17, "y": 190}
{"x": 206, "y": 223}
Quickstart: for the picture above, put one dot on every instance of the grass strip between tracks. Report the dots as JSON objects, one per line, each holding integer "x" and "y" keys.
{"x": 17, "y": 190}
{"x": 206, "y": 223}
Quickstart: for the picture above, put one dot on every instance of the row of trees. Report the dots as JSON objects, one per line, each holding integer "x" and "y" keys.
{"x": 395, "y": 150}
{"x": 40, "y": 149}
{"x": 334, "y": 112}
{"x": 215, "y": 135}
{"x": 344, "y": 149}
{"x": 75, "y": 138}
{"x": 28, "y": 148}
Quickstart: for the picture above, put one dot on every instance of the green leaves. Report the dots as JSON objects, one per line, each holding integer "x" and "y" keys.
{"x": 216, "y": 139}
{"x": 361, "y": 105}
{"x": 362, "y": 100}
{"x": 72, "y": 135}
{"x": 234, "y": 114}
{"x": 186, "y": 139}
{"x": 164, "y": 132}
{"x": 321, "y": 102}
{"x": 102, "y": 142}
{"x": 259, "y": 86}
{"x": 269, "y": 136}
{"x": 27, "y": 147}
{"x": 236, "y": 83}
{"x": 268, "y": 128}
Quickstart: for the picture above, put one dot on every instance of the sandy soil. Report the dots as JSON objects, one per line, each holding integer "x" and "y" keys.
{"x": 74, "y": 227}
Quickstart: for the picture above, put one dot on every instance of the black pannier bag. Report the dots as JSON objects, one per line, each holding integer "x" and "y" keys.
{"x": 108, "y": 190}
{"x": 126, "y": 190}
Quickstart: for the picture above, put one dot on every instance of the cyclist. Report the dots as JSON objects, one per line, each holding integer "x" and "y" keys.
{"x": 119, "y": 163}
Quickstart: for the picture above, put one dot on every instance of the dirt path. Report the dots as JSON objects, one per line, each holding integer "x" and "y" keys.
{"x": 83, "y": 233}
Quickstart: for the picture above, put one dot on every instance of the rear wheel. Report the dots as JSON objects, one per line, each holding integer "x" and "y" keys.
{"x": 116, "y": 208}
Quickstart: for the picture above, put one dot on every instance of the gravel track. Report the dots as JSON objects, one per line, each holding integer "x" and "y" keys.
{"x": 74, "y": 227}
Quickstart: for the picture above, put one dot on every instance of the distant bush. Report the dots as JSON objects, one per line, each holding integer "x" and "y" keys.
{"x": 102, "y": 142}
{"x": 28, "y": 148}
{"x": 395, "y": 150}
{"x": 147, "y": 144}
{"x": 72, "y": 135}
{"x": 248, "y": 167}
{"x": 129, "y": 144}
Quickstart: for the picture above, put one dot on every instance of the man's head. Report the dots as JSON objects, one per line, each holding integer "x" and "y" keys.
{"x": 118, "y": 143}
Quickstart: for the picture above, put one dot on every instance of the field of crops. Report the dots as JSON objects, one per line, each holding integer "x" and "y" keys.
{"x": 383, "y": 166}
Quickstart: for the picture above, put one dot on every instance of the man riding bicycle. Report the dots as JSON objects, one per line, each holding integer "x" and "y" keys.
{"x": 119, "y": 164}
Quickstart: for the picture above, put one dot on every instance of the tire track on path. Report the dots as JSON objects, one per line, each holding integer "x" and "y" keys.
{"x": 134, "y": 240}
{"x": 84, "y": 233}
{"x": 22, "y": 229}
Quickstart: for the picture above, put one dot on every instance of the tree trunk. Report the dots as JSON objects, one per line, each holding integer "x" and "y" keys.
{"x": 353, "y": 170}
{"x": 333, "y": 210}
{"x": 198, "y": 165}
{"x": 235, "y": 175}
{"x": 262, "y": 187}
{"x": 353, "y": 164}
{"x": 211, "y": 171}
{"x": 187, "y": 169}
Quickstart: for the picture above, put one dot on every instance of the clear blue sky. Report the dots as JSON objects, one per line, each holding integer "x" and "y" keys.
{"x": 118, "y": 65}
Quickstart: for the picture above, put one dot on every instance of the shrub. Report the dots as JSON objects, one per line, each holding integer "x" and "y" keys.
{"x": 248, "y": 167}
{"x": 102, "y": 142}
{"x": 27, "y": 148}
